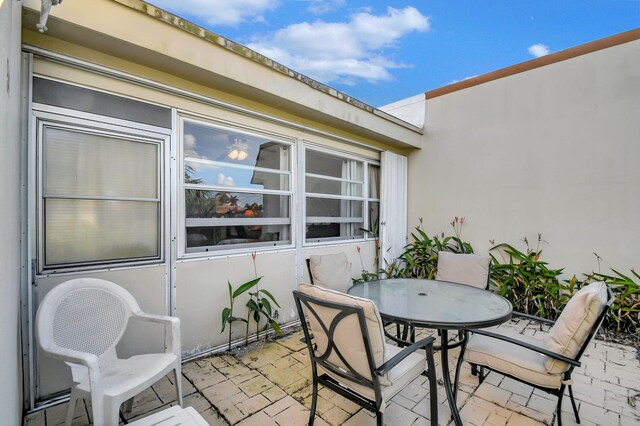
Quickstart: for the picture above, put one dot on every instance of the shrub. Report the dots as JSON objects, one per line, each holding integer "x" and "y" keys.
{"x": 528, "y": 283}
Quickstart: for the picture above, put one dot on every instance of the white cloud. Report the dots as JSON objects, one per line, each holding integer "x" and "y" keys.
{"x": 219, "y": 12}
{"x": 319, "y": 7}
{"x": 538, "y": 50}
{"x": 343, "y": 51}
{"x": 466, "y": 78}
{"x": 225, "y": 180}
{"x": 190, "y": 145}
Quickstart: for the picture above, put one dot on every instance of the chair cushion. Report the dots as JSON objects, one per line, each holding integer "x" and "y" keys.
{"x": 571, "y": 330}
{"x": 331, "y": 271}
{"x": 512, "y": 359}
{"x": 347, "y": 336}
{"x": 469, "y": 269}
{"x": 399, "y": 376}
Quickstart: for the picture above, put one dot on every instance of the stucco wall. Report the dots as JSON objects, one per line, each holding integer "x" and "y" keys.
{"x": 553, "y": 150}
{"x": 11, "y": 371}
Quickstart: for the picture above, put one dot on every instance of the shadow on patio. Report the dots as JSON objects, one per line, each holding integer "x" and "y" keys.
{"x": 270, "y": 385}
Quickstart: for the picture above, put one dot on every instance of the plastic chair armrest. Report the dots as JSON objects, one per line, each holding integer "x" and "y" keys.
{"x": 527, "y": 346}
{"x": 172, "y": 336}
{"x": 76, "y": 357}
{"x": 396, "y": 359}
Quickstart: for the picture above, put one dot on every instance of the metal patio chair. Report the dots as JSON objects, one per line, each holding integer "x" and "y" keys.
{"x": 349, "y": 347}
{"x": 80, "y": 322}
{"x": 544, "y": 364}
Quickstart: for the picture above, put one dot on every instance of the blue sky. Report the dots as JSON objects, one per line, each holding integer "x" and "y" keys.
{"x": 384, "y": 51}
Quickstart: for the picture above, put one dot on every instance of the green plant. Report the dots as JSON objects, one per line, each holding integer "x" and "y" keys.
{"x": 364, "y": 274}
{"x": 259, "y": 305}
{"x": 625, "y": 310}
{"x": 227, "y": 313}
{"x": 420, "y": 257}
{"x": 527, "y": 282}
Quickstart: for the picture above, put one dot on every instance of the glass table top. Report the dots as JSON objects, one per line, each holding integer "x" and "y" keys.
{"x": 435, "y": 304}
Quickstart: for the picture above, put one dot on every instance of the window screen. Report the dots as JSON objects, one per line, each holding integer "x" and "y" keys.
{"x": 100, "y": 198}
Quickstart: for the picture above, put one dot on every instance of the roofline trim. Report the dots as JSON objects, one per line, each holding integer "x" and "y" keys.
{"x": 250, "y": 54}
{"x": 552, "y": 58}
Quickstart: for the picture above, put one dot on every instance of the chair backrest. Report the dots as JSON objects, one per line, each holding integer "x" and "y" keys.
{"x": 330, "y": 271}
{"x": 348, "y": 340}
{"x": 86, "y": 315}
{"x": 577, "y": 324}
{"x": 469, "y": 269}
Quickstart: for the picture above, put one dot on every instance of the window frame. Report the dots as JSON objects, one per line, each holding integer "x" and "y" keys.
{"x": 238, "y": 248}
{"x": 336, "y": 152}
{"x": 60, "y": 118}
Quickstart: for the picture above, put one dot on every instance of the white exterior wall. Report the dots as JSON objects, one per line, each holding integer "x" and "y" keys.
{"x": 553, "y": 150}
{"x": 11, "y": 371}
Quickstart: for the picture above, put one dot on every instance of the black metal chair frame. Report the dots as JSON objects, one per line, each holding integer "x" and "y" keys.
{"x": 573, "y": 362}
{"x": 322, "y": 360}
{"x": 309, "y": 269}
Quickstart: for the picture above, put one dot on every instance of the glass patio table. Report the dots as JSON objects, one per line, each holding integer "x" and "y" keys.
{"x": 439, "y": 305}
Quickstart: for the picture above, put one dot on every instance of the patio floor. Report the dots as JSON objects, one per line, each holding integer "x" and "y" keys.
{"x": 270, "y": 385}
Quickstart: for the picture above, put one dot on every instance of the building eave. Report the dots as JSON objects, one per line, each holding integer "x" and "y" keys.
{"x": 171, "y": 44}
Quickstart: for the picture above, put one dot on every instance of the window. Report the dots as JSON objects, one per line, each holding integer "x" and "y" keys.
{"x": 100, "y": 197}
{"x": 338, "y": 202}
{"x": 237, "y": 189}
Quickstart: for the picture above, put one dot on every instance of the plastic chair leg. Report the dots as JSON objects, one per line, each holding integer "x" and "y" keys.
{"x": 111, "y": 412}
{"x": 97, "y": 408}
{"x": 177, "y": 376}
{"x": 71, "y": 409}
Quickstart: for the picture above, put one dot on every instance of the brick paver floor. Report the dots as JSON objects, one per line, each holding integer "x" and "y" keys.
{"x": 271, "y": 385}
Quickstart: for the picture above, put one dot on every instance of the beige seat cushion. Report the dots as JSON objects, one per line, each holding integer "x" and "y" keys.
{"x": 469, "y": 269}
{"x": 399, "y": 376}
{"x": 331, "y": 271}
{"x": 347, "y": 336}
{"x": 571, "y": 330}
{"x": 511, "y": 359}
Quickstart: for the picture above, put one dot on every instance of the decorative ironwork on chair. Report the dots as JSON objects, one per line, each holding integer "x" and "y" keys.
{"x": 342, "y": 347}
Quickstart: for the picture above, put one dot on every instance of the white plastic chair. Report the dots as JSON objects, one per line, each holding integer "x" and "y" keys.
{"x": 80, "y": 322}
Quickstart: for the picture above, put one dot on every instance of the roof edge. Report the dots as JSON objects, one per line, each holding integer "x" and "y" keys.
{"x": 552, "y": 58}
{"x": 239, "y": 49}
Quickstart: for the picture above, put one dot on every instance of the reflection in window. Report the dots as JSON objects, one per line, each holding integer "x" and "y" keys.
{"x": 237, "y": 189}
{"x": 335, "y": 198}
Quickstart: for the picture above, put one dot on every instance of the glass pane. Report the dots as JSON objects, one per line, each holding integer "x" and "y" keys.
{"x": 333, "y": 208}
{"x": 374, "y": 218}
{"x": 321, "y": 163}
{"x": 78, "y": 231}
{"x": 209, "y": 143}
{"x": 214, "y": 204}
{"x": 227, "y": 235}
{"x": 320, "y": 231}
{"x": 77, "y": 163}
{"x": 332, "y": 187}
{"x": 209, "y": 174}
{"x": 73, "y": 97}
{"x": 374, "y": 181}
